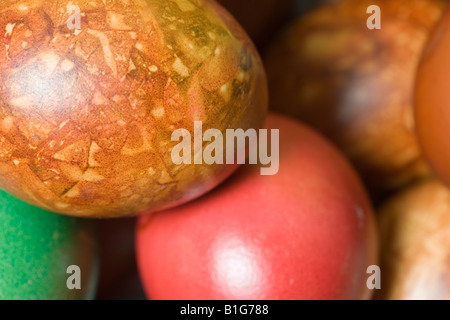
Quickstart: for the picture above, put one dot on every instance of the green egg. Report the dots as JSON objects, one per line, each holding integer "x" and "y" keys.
{"x": 37, "y": 250}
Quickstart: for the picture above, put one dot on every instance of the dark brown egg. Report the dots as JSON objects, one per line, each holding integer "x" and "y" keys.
{"x": 87, "y": 114}
{"x": 415, "y": 242}
{"x": 356, "y": 85}
{"x": 262, "y": 19}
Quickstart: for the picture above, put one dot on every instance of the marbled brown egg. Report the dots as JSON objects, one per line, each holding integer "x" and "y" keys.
{"x": 415, "y": 240}
{"x": 355, "y": 84}
{"x": 87, "y": 112}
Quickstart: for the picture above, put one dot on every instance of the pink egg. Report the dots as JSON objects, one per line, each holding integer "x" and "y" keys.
{"x": 307, "y": 232}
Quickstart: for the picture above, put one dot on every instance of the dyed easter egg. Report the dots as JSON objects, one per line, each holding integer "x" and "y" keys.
{"x": 39, "y": 252}
{"x": 415, "y": 237}
{"x": 355, "y": 84}
{"x": 91, "y": 92}
{"x": 307, "y": 232}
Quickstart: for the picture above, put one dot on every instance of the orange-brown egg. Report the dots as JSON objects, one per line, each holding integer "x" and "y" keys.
{"x": 91, "y": 92}
{"x": 433, "y": 100}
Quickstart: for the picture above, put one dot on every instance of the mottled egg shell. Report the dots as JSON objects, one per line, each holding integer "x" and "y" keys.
{"x": 36, "y": 249}
{"x": 87, "y": 114}
{"x": 415, "y": 240}
{"x": 356, "y": 85}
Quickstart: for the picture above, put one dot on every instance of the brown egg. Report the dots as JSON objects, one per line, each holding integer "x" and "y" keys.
{"x": 415, "y": 244}
{"x": 433, "y": 100}
{"x": 303, "y": 6}
{"x": 356, "y": 85}
{"x": 262, "y": 19}
{"x": 86, "y": 115}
